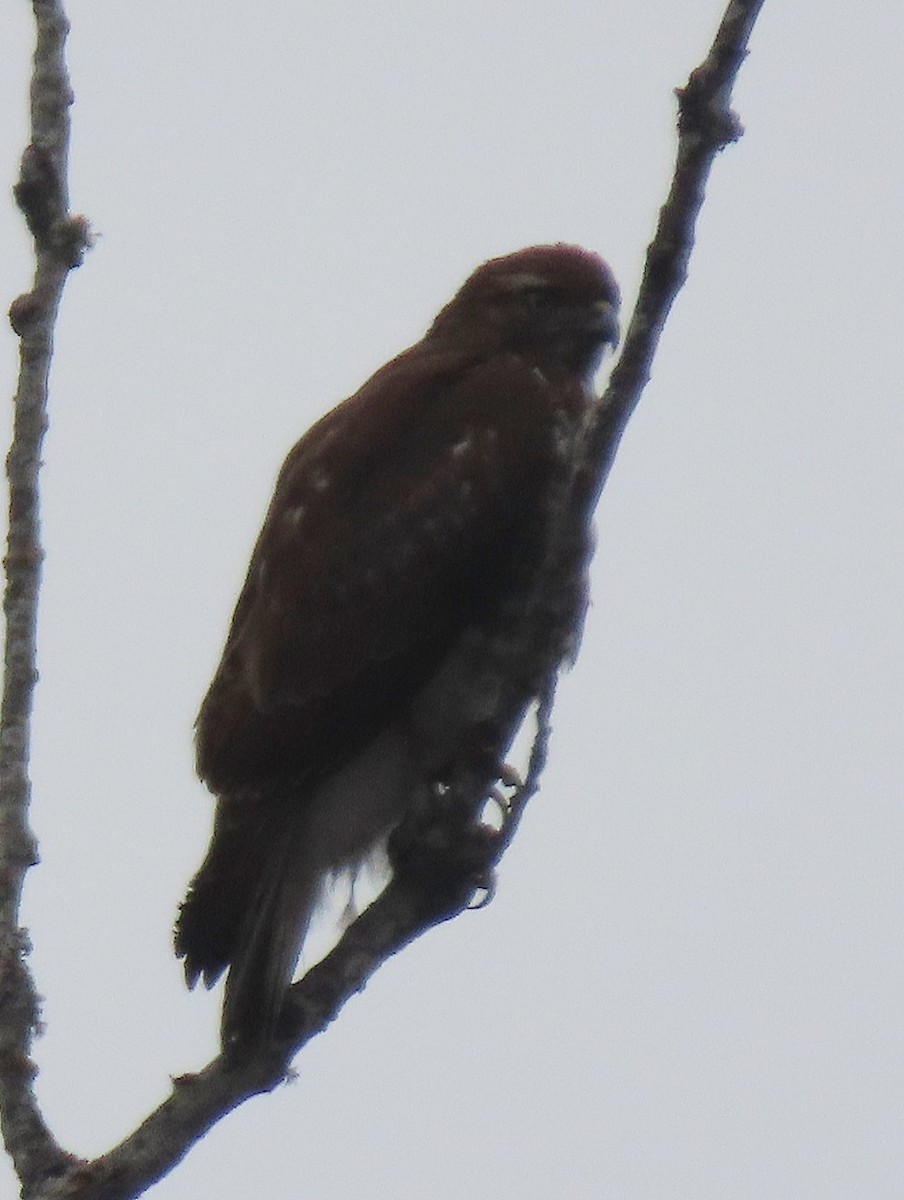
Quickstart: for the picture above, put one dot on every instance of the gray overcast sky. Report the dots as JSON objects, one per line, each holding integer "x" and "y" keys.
{"x": 690, "y": 985}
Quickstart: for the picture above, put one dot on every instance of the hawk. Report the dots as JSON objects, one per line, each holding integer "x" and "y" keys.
{"x": 399, "y": 524}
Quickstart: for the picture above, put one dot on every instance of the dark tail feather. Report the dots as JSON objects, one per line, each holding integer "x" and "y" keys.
{"x": 269, "y": 943}
{"x": 248, "y": 909}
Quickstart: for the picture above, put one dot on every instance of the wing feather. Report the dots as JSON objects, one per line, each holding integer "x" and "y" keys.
{"x": 397, "y": 521}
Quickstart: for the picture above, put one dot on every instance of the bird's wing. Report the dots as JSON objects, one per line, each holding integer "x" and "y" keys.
{"x": 397, "y": 521}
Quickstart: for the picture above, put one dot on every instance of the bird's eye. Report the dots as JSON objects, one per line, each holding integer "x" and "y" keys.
{"x": 537, "y": 299}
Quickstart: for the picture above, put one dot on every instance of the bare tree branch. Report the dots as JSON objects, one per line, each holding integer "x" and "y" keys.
{"x": 446, "y": 840}
{"x": 59, "y": 240}
{"x": 706, "y": 125}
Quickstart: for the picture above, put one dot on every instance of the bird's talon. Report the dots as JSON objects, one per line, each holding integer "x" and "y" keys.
{"x": 487, "y": 885}
{"x": 509, "y": 777}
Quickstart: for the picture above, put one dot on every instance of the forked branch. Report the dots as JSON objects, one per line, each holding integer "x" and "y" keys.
{"x": 521, "y": 666}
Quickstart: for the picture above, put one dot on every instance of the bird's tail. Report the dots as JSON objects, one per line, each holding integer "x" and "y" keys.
{"x": 248, "y": 910}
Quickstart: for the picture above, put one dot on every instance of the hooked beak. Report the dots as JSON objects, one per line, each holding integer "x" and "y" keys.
{"x": 604, "y": 322}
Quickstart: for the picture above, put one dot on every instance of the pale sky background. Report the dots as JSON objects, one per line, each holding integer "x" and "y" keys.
{"x": 691, "y": 983}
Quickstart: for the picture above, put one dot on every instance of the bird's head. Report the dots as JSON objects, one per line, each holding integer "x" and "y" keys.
{"x": 556, "y": 306}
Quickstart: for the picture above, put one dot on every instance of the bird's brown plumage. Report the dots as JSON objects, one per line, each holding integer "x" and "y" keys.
{"x": 398, "y": 523}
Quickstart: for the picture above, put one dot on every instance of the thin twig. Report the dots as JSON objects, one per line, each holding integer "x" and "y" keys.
{"x": 706, "y": 125}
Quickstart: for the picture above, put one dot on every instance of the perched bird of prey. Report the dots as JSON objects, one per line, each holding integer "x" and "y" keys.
{"x": 399, "y": 523}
